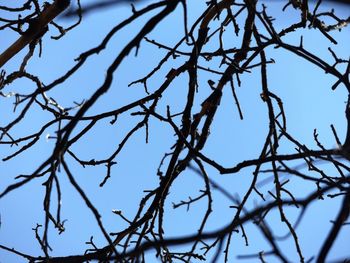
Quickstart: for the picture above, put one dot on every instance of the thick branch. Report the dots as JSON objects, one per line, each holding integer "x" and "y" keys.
{"x": 36, "y": 27}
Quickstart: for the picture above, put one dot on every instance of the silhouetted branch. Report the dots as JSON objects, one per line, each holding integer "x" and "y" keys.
{"x": 223, "y": 46}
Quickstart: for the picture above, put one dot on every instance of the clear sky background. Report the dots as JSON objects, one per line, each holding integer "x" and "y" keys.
{"x": 305, "y": 90}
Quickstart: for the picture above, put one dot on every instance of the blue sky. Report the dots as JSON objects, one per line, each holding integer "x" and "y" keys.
{"x": 305, "y": 90}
